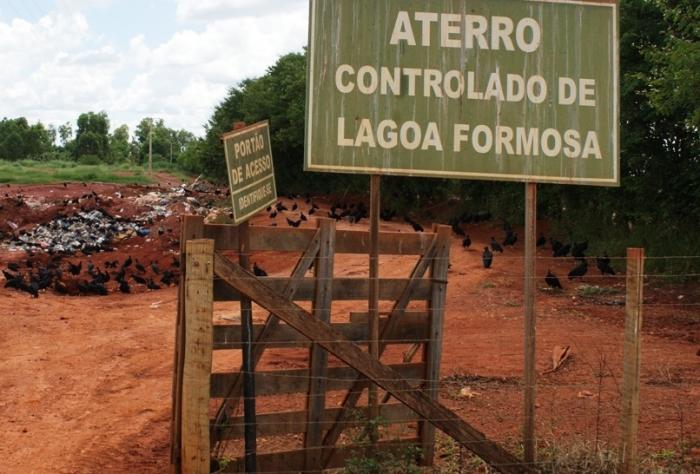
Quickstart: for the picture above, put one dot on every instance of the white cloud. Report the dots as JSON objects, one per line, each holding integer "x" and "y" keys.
{"x": 215, "y": 10}
{"x": 58, "y": 67}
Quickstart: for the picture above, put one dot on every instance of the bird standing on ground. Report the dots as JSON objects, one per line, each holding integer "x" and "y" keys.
{"x": 603, "y": 265}
{"x": 552, "y": 280}
{"x": 292, "y": 223}
{"x": 495, "y": 246}
{"x": 487, "y": 258}
{"x": 467, "y": 242}
{"x": 541, "y": 240}
{"x": 578, "y": 250}
{"x": 75, "y": 269}
{"x": 258, "y": 271}
{"x": 562, "y": 251}
{"x": 511, "y": 238}
{"x": 140, "y": 267}
{"x": 579, "y": 270}
{"x": 124, "y": 286}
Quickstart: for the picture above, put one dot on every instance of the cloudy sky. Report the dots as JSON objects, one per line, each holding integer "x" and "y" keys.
{"x": 169, "y": 59}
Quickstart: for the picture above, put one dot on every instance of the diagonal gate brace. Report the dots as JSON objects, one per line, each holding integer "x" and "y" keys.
{"x": 320, "y": 333}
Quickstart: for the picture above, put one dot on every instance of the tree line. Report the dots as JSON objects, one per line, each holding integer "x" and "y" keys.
{"x": 90, "y": 141}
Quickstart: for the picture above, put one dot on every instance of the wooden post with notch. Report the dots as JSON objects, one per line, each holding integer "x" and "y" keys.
{"x": 198, "y": 311}
{"x": 375, "y": 184}
{"x": 432, "y": 350}
{"x": 629, "y": 461}
{"x": 318, "y": 357}
{"x": 530, "y": 375}
{"x": 191, "y": 227}
{"x": 248, "y": 364}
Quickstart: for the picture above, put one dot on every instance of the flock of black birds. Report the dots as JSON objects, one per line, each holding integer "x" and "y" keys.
{"x": 559, "y": 249}
{"x": 353, "y": 212}
{"x": 64, "y": 276}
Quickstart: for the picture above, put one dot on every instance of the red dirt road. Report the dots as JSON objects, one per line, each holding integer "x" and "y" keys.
{"x": 86, "y": 381}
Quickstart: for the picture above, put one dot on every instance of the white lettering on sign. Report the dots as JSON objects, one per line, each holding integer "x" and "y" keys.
{"x": 523, "y": 141}
{"x": 569, "y": 93}
{"x": 468, "y": 31}
{"x": 388, "y": 134}
{"x": 433, "y": 83}
{"x": 255, "y": 196}
{"x": 248, "y": 146}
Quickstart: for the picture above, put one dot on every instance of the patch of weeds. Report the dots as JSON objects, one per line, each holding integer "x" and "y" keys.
{"x": 390, "y": 460}
{"x": 575, "y": 458}
{"x": 666, "y": 461}
{"x": 488, "y": 284}
{"x": 665, "y": 376}
{"x": 595, "y": 290}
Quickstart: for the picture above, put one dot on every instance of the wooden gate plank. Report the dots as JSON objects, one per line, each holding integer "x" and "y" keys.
{"x": 292, "y": 422}
{"x": 352, "y": 288}
{"x": 199, "y": 310}
{"x": 191, "y": 227}
{"x": 433, "y": 348}
{"x": 350, "y": 353}
{"x": 318, "y": 357}
{"x": 414, "y": 328}
{"x": 279, "y": 382}
{"x": 282, "y": 239}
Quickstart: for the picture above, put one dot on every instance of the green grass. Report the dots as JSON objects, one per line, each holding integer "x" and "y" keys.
{"x": 47, "y": 172}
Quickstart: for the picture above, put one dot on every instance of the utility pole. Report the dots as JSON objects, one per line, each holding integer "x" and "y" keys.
{"x": 171, "y": 150}
{"x": 150, "y": 148}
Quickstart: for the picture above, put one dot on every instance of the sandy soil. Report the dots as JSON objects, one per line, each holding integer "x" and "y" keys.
{"x": 86, "y": 381}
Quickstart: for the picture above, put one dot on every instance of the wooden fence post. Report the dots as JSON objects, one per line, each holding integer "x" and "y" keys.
{"x": 433, "y": 348}
{"x": 530, "y": 320}
{"x": 373, "y": 306}
{"x": 318, "y": 357}
{"x": 191, "y": 227}
{"x": 198, "y": 311}
{"x": 629, "y": 462}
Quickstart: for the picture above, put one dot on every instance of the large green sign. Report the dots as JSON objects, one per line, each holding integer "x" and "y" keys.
{"x": 250, "y": 171}
{"x": 523, "y": 90}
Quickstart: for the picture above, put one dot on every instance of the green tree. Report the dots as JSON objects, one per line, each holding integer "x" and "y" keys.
{"x": 119, "y": 145}
{"x": 12, "y": 147}
{"x": 161, "y": 138}
{"x": 92, "y": 135}
{"x": 65, "y": 133}
{"x": 20, "y": 140}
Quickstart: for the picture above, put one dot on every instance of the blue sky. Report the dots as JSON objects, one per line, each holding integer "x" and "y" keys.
{"x": 169, "y": 59}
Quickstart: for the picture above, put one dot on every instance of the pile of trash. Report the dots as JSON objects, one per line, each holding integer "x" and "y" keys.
{"x": 161, "y": 203}
{"x": 85, "y": 231}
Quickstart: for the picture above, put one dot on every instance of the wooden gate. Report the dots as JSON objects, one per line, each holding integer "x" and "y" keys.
{"x": 204, "y": 403}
